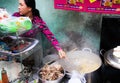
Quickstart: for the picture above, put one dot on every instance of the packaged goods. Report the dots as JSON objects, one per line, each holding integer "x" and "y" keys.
{"x": 10, "y": 24}
{"x": 15, "y": 24}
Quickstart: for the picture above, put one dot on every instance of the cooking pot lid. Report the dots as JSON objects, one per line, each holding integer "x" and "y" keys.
{"x": 81, "y": 61}
{"x": 111, "y": 60}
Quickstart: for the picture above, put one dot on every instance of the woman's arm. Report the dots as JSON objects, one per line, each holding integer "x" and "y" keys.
{"x": 50, "y": 36}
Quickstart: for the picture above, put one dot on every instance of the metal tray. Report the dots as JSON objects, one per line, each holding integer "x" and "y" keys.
{"x": 26, "y": 51}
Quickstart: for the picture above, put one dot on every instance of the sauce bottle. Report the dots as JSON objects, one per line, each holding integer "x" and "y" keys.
{"x": 0, "y": 78}
{"x": 4, "y": 76}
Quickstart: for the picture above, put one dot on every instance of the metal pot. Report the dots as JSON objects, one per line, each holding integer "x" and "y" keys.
{"x": 111, "y": 66}
{"x": 111, "y": 60}
{"x": 92, "y": 77}
{"x": 85, "y": 62}
{"x": 58, "y": 80}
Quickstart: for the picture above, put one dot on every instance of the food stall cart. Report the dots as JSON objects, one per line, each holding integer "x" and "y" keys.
{"x": 13, "y": 48}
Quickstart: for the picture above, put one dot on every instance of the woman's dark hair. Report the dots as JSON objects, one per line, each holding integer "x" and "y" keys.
{"x": 32, "y": 4}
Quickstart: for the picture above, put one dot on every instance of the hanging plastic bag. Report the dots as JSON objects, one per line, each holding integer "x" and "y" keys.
{"x": 15, "y": 24}
{"x": 76, "y": 77}
{"x": 10, "y": 24}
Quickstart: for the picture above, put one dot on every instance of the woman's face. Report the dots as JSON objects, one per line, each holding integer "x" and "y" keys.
{"x": 23, "y": 9}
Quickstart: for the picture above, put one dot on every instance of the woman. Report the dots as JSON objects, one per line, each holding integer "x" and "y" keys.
{"x": 28, "y": 8}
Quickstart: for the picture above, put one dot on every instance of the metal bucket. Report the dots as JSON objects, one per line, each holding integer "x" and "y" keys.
{"x": 91, "y": 77}
{"x": 94, "y": 77}
{"x": 85, "y": 62}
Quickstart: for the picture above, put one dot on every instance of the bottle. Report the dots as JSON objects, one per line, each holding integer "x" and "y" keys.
{"x": 4, "y": 76}
{"x": 0, "y": 78}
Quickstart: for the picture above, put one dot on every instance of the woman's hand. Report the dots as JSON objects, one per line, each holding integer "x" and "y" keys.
{"x": 61, "y": 54}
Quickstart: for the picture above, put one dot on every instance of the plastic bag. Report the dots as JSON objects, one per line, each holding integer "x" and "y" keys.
{"x": 10, "y": 24}
{"x": 15, "y": 24}
{"x": 76, "y": 77}
{"x": 3, "y": 14}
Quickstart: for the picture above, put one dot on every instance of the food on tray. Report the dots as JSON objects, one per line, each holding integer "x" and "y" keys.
{"x": 116, "y": 52}
{"x": 20, "y": 46}
{"x": 51, "y": 72}
{"x": 13, "y": 45}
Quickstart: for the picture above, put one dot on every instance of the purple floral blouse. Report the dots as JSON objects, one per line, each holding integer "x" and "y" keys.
{"x": 41, "y": 26}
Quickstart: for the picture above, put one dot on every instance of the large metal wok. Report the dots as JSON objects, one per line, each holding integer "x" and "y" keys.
{"x": 83, "y": 61}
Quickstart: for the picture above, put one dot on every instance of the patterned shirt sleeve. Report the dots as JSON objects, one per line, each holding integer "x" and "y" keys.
{"x": 16, "y": 14}
{"x": 46, "y": 31}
